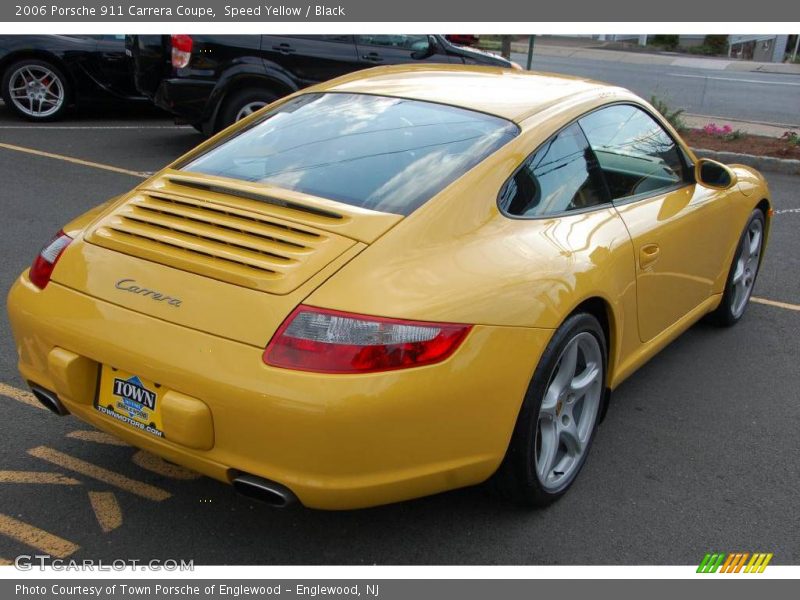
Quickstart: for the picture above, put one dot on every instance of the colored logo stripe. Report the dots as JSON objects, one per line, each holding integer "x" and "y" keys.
{"x": 734, "y": 562}
{"x": 758, "y": 563}
{"x": 710, "y": 563}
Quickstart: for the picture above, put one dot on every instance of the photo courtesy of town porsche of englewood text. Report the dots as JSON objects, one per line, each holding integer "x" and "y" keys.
{"x": 287, "y": 292}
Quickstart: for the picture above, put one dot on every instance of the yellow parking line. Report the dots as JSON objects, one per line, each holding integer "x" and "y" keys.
{"x": 47, "y": 543}
{"x": 777, "y": 304}
{"x": 77, "y": 161}
{"x": 97, "y": 437}
{"x": 158, "y": 465}
{"x": 36, "y": 477}
{"x": 106, "y": 509}
{"x": 20, "y": 396}
{"x": 65, "y": 461}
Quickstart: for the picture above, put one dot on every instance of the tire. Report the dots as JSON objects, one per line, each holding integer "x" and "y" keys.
{"x": 36, "y": 90}
{"x": 742, "y": 273}
{"x": 524, "y": 476}
{"x": 240, "y": 103}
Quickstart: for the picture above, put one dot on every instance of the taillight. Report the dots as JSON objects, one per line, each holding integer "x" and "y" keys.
{"x": 181, "y": 50}
{"x": 42, "y": 268}
{"x": 329, "y": 341}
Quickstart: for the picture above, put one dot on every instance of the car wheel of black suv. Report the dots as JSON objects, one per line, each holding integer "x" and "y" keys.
{"x": 242, "y": 103}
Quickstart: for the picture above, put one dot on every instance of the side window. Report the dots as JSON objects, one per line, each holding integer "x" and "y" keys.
{"x": 561, "y": 176}
{"x": 340, "y": 39}
{"x": 399, "y": 42}
{"x": 635, "y": 153}
{"x": 102, "y": 38}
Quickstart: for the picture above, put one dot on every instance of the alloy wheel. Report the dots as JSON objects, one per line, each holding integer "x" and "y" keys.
{"x": 36, "y": 91}
{"x": 746, "y": 268}
{"x": 249, "y": 108}
{"x": 568, "y": 412}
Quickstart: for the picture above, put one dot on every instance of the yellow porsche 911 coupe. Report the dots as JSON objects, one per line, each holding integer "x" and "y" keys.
{"x": 406, "y": 280}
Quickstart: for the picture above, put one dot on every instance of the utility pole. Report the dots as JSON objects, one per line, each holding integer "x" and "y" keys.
{"x": 532, "y": 40}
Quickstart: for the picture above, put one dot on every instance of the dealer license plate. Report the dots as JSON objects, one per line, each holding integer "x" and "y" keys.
{"x": 131, "y": 400}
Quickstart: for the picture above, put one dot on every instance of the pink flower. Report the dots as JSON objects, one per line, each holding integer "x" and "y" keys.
{"x": 714, "y": 129}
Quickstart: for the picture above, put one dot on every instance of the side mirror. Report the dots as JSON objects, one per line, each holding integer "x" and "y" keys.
{"x": 424, "y": 48}
{"x": 714, "y": 175}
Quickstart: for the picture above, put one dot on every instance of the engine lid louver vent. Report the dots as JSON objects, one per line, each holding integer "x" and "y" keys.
{"x": 224, "y": 238}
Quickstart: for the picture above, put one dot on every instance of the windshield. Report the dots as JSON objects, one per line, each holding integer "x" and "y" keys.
{"x": 380, "y": 153}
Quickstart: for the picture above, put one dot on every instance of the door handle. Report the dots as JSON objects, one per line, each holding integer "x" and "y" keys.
{"x": 284, "y": 49}
{"x": 372, "y": 57}
{"x": 648, "y": 254}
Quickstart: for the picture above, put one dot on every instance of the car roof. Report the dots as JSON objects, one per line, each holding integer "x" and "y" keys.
{"x": 509, "y": 93}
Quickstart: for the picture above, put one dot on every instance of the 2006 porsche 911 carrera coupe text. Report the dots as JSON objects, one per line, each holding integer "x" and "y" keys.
{"x": 403, "y": 281}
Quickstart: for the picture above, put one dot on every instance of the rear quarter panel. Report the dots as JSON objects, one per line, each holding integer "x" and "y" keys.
{"x": 458, "y": 259}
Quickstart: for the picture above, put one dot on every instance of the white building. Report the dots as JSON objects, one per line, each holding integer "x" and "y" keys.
{"x": 763, "y": 48}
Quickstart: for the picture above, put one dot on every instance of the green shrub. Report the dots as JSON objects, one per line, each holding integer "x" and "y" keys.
{"x": 736, "y": 134}
{"x": 488, "y": 44}
{"x": 672, "y": 116}
{"x": 667, "y": 42}
{"x": 703, "y": 50}
{"x": 792, "y": 137}
{"x": 716, "y": 44}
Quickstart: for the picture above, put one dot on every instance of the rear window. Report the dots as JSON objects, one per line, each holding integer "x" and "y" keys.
{"x": 375, "y": 152}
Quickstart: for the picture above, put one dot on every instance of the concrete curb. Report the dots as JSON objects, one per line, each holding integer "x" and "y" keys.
{"x": 787, "y": 166}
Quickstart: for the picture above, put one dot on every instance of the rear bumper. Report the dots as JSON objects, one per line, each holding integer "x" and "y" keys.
{"x": 185, "y": 98}
{"x": 336, "y": 441}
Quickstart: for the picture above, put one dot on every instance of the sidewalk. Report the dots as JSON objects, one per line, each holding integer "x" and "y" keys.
{"x": 548, "y": 48}
{"x": 700, "y": 121}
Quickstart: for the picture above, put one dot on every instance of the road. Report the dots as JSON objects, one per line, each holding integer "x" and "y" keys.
{"x": 759, "y": 97}
{"x": 699, "y": 451}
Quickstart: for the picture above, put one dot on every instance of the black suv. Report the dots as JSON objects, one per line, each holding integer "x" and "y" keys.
{"x": 212, "y": 81}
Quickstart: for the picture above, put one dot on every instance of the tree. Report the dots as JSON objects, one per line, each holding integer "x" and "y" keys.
{"x": 716, "y": 44}
{"x": 505, "y": 46}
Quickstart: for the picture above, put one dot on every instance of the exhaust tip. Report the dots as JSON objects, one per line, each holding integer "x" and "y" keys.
{"x": 267, "y": 491}
{"x": 49, "y": 400}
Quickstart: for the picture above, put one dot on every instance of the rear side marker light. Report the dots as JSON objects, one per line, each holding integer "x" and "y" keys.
{"x": 42, "y": 268}
{"x": 329, "y": 341}
{"x": 181, "y": 50}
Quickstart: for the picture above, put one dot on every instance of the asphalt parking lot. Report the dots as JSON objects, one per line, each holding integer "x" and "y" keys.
{"x": 700, "y": 450}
